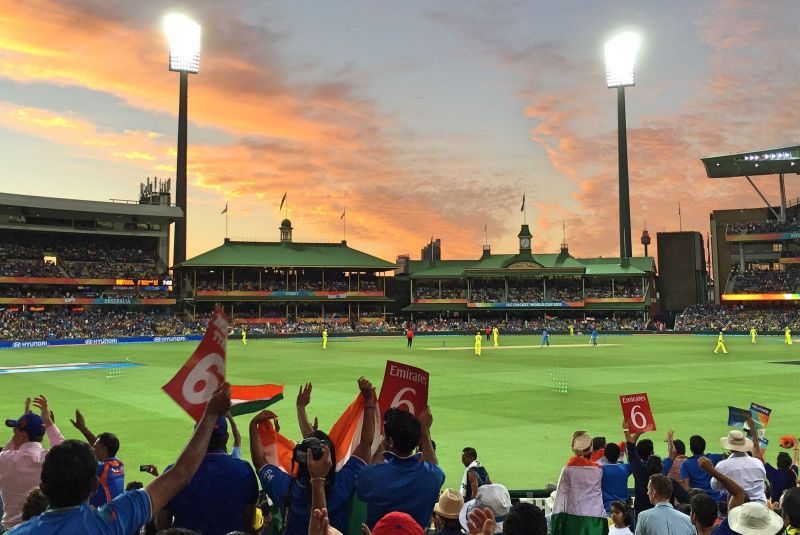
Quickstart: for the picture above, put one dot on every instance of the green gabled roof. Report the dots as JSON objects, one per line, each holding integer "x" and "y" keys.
{"x": 495, "y": 261}
{"x": 557, "y": 261}
{"x": 423, "y": 269}
{"x": 612, "y": 266}
{"x": 276, "y": 254}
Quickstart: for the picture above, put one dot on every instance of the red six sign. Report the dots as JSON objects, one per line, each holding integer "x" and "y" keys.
{"x": 636, "y": 411}
{"x": 204, "y": 372}
{"x": 405, "y": 387}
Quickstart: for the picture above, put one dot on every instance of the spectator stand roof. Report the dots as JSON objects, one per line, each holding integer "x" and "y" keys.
{"x": 775, "y": 161}
{"x": 503, "y": 265}
{"x": 287, "y": 255}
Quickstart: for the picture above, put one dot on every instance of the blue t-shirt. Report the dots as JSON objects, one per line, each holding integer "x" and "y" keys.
{"x": 698, "y": 478}
{"x": 276, "y": 483}
{"x": 780, "y": 480}
{"x": 126, "y": 514}
{"x": 615, "y": 483}
{"x": 400, "y": 484}
{"x": 216, "y": 499}
{"x": 111, "y": 474}
{"x": 724, "y": 529}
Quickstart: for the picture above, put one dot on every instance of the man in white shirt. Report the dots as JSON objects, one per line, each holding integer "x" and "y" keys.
{"x": 22, "y": 458}
{"x": 747, "y": 471}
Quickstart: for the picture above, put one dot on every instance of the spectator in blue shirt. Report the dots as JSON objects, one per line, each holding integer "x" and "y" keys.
{"x": 694, "y": 477}
{"x": 615, "y": 477}
{"x": 292, "y": 496}
{"x": 221, "y": 496}
{"x": 110, "y": 470}
{"x": 69, "y": 479}
{"x": 406, "y": 482}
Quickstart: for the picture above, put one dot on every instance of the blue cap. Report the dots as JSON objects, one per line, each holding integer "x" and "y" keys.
{"x": 30, "y": 423}
{"x": 220, "y": 428}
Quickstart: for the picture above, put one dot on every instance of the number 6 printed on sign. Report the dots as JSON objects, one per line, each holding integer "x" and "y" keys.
{"x": 204, "y": 372}
{"x": 636, "y": 411}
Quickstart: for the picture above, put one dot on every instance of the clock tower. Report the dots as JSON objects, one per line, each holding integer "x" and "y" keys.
{"x": 525, "y": 237}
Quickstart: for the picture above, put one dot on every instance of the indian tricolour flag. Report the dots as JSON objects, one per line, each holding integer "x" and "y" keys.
{"x": 247, "y": 399}
{"x": 578, "y": 507}
{"x": 345, "y": 435}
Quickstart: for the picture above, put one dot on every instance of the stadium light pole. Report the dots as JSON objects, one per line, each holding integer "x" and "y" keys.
{"x": 183, "y": 35}
{"x": 620, "y": 52}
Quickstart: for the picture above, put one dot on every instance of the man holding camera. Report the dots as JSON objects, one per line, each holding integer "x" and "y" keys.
{"x": 292, "y": 495}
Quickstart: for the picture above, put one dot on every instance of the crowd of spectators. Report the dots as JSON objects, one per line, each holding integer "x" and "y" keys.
{"x": 756, "y": 281}
{"x": 23, "y": 255}
{"x": 28, "y": 292}
{"x": 98, "y": 323}
{"x": 486, "y": 294}
{"x": 762, "y": 227}
{"x": 278, "y": 284}
{"x": 392, "y": 466}
{"x": 736, "y": 318}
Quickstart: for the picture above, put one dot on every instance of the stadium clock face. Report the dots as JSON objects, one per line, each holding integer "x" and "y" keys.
{"x": 525, "y": 243}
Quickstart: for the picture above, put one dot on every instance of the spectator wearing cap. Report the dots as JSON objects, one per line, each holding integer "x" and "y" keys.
{"x": 496, "y": 498}
{"x": 397, "y": 523}
{"x": 406, "y": 482}
{"x": 662, "y": 518}
{"x": 445, "y": 514}
{"x": 578, "y": 505}
{"x": 110, "y": 470}
{"x": 221, "y": 496}
{"x": 69, "y": 479}
{"x": 747, "y": 471}
{"x": 475, "y": 474}
{"x": 22, "y": 458}
{"x": 692, "y": 475}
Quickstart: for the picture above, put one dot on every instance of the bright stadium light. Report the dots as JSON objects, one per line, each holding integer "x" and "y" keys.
{"x": 620, "y": 63}
{"x": 621, "y": 59}
{"x": 183, "y": 35}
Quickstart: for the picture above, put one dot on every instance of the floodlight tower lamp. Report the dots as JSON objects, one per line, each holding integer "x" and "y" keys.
{"x": 183, "y": 35}
{"x": 620, "y": 53}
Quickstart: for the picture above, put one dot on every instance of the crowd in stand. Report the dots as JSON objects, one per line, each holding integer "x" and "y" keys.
{"x": 72, "y": 292}
{"x": 486, "y": 295}
{"x": 765, "y": 281}
{"x": 22, "y": 255}
{"x": 390, "y": 465}
{"x": 728, "y": 318}
{"x": 273, "y": 284}
{"x": 762, "y": 227}
{"x": 64, "y": 323}
{"x": 432, "y": 292}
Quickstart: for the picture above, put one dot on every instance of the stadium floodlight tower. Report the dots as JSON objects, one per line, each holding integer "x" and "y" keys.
{"x": 183, "y": 35}
{"x": 620, "y": 52}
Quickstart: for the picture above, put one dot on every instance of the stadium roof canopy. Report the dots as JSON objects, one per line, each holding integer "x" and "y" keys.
{"x": 288, "y": 254}
{"x": 503, "y": 265}
{"x": 775, "y": 161}
{"x": 91, "y": 207}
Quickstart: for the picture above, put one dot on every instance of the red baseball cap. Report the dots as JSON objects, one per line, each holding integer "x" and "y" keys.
{"x": 396, "y": 523}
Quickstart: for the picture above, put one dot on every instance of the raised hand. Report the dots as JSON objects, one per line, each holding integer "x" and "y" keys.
{"x": 426, "y": 418}
{"x": 304, "y": 395}
{"x": 481, "y": 522}
{"x": 79, "y": 422}
{"x": 40, "y": 402}
{"x": 263, "y": 416}
{"x": 705, "y": 464}
{"x": 220, "y": 402}
{"x": 321, "y": 467}
{"x": 366, "y": 389}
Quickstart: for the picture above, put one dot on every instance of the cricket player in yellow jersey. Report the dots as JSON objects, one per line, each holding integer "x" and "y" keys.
{"x": 478, "y": 340}
{"x": 753, "y": 334}
{"x": 720, "y": 344}
{"x": 787, "y": 336}
{"x": 496, "y": 335}
{"x": 325, "y": 338}
{"x": 244, "y": 337}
